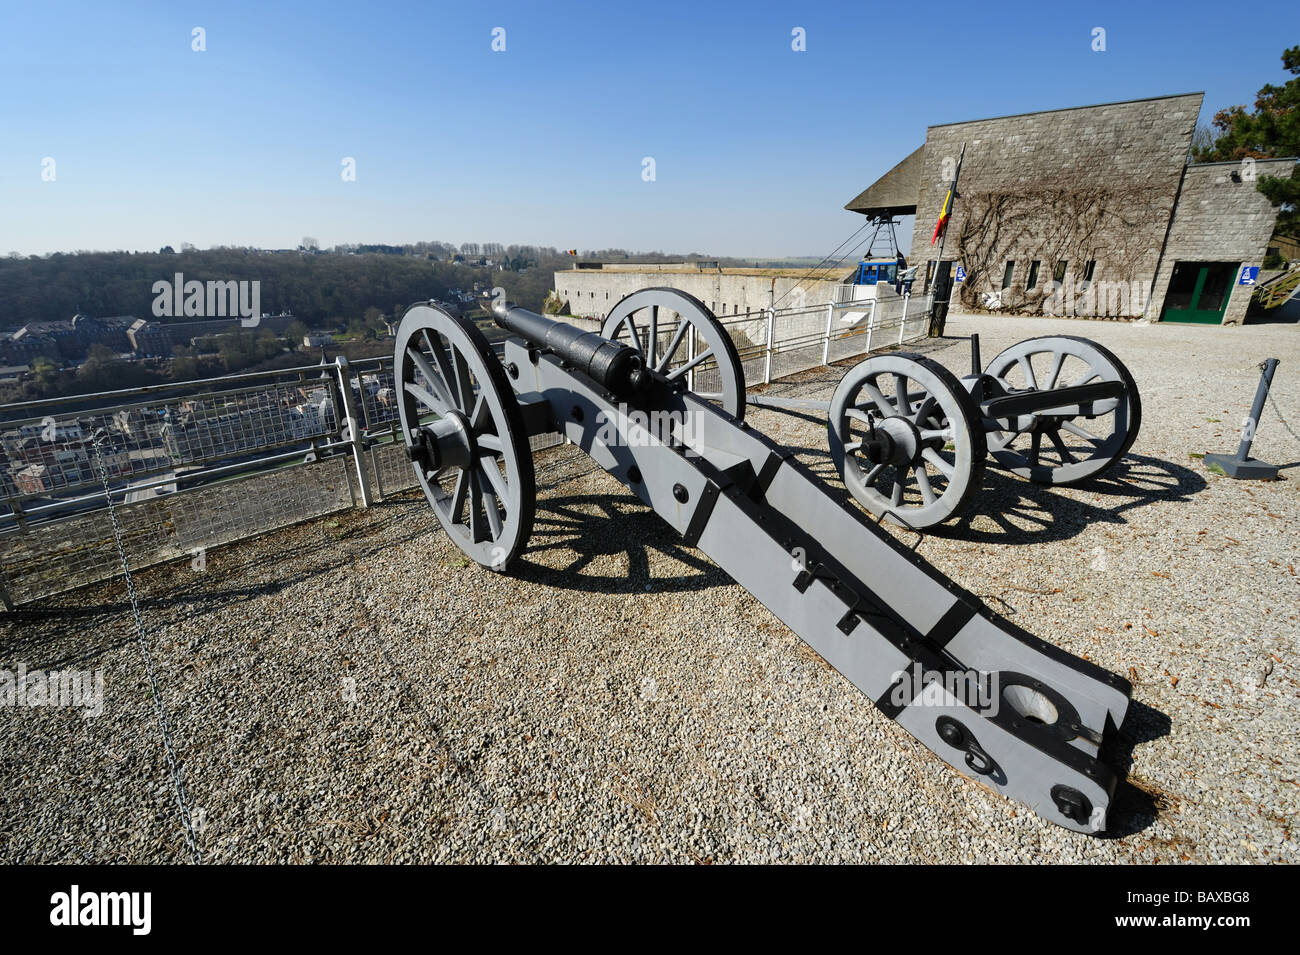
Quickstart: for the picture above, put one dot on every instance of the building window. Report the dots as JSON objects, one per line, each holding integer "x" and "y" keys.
{"x": 929, "y": 274}
{"x": 1033, "y": 274}
{"x": 1089, "y": 269}
{"x": 1010, "y": 270}
{"x": 1058, "y": 271}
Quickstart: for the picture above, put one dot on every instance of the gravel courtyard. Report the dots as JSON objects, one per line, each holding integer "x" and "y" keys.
{"x": 353, "y": 690}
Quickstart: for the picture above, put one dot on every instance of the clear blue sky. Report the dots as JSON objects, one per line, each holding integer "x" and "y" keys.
{"x": 757, "y": 147}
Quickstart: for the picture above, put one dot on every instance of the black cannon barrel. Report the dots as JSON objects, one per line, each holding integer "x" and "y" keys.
{"x": 616, "y": 367}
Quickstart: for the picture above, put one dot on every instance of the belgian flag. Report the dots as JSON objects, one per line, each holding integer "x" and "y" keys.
{"x": 944, "y": 213}
{"x": 571, "y": 252}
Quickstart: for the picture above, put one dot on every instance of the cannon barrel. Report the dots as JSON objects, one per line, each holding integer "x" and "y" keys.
{"x": 618, "y": 368}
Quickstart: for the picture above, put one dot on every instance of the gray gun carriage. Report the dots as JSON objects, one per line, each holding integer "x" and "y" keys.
{"x": 872, "y": 608}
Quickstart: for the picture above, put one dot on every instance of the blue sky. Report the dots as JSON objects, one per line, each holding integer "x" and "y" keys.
{"x": 756, "y": 147}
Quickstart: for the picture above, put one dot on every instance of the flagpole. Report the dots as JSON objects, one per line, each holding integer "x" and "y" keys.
{"x": 943, "y": 237}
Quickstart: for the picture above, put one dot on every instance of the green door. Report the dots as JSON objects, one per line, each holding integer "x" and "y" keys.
{"x": 1198, "y": 292}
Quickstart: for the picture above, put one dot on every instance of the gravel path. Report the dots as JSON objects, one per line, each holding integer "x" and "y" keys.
{"x": 351, "y": 690}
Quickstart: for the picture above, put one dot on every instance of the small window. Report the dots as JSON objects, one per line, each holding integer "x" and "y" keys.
{"x": 1089, "y": 269}
{"x": 1032, "y": 282}
{"x": 735, "y": 309}
{"x": 1058, "y": 272}
{"x": 1010, "y": 271}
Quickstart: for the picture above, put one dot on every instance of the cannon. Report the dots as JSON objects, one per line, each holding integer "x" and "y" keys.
{"x": 657, "y": 402}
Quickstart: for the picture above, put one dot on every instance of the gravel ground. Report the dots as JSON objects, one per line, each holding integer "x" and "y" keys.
{"x": 351, "y": 690}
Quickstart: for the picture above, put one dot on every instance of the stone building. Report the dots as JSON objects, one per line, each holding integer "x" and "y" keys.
{"x": 591, "y": 289}
{"x": 64, "y": 340}
{"x": 1090, "y": 211}
{"x": 158, "y": 338}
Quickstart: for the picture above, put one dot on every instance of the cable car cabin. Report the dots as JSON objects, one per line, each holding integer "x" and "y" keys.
{"x": 876, "y": 272}
{"x": 873, "y": 279}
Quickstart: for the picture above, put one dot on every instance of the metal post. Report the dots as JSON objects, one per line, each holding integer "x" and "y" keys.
{"x": 902, "y": 325}
{"x": 1256, "y": 409}
{"x": 871, "y": 324}
{"x": 1242, "y": 465}
{"x": 826, "y": 345}
{"x": 976, "y": 367}
{"x": 354, "y": 428}
{"x": 767, "y": 366}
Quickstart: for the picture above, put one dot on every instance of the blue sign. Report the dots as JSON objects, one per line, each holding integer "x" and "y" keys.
{"x": 961, "y": 274}
{"x": 1249, "y": 275}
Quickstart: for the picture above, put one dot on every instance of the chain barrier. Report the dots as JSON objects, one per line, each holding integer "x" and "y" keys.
{"x": 160, "y": 712}
{"x": 1276, "y": 410}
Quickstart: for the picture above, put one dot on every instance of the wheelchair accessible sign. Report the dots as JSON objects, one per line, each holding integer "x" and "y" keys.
{"x": 1249, "y": 275}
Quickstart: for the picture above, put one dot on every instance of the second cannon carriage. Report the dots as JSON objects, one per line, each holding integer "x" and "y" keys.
{"x": 909, "y": 439}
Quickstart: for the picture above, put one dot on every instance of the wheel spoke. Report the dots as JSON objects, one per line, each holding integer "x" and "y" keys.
{"x": 923, "y": 482}
{"x": 479, "y": 417}
{"x": 1028, "y": 367}
{"x": 1080, "y": 431}
{"x": 432, "y": 403}
{"x": 490, "y": 442}
{"x": 632, "y": 332}
{"x": 490, "y": 470}
{"x": 1086, "y": 377}
{"x": 1058, "y": 361}
{"x": 682, "y": 327}
{"x": 874, "y": 473}
{"x": 896, "y": 495}
{"x": 464, "y": 389}
{"x": 652, "y": 343}
{"x": 932, "y": 434}
{"x": 883, "y": 404}
{"x": 432, "y": 377}
{"x": 1035, "y": 443}
{"x": 476, "y": 527}
{"x": 458, "y": 496}
{"x": 683, "y": 369}
{"x": 1066, "y": 456}
{"x": 900, "y": 394}
{"x": 439, "y": 351}
{"x": 937, "y": 459}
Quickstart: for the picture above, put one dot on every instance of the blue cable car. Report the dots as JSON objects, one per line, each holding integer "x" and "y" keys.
{"x": 878, "y": 271}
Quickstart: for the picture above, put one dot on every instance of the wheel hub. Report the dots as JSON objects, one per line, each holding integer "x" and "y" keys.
{"x": 446, "y": 442}
{"x": 904, "y": 441}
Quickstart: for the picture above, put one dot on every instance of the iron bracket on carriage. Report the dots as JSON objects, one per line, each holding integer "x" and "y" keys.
{"x": 996, "y": 703}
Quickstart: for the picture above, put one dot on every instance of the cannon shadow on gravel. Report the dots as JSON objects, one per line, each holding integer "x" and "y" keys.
{"x": 584, "y": 529}
{"x": 1022, "y": 512}
{"x": 1137, "y": 804}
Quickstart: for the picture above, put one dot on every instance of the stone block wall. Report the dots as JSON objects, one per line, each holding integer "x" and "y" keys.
{"x": 1219, "y": 219}
{"x": 1138, "y": 147}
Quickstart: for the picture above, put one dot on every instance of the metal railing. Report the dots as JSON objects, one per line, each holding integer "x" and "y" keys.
{"x": 191, "y": 465}
{"x": 197, "y": 464}
{"x": 775, "y": 343}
